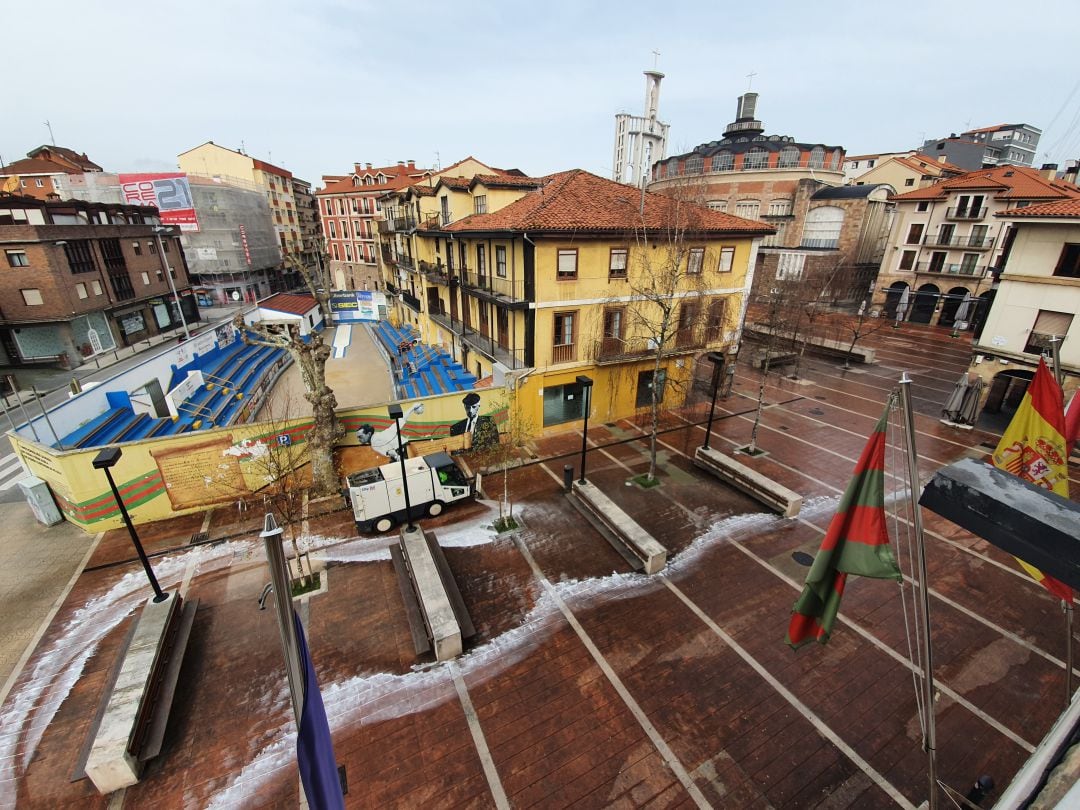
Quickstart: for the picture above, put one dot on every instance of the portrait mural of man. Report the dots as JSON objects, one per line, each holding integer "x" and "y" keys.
{"x": 482, "y": 429}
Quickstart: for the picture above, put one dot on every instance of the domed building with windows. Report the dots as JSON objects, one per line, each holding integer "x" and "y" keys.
{"x": 822, "y": 227}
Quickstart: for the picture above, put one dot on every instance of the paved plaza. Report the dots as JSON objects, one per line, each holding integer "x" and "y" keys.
{"x": 588, "y": 685}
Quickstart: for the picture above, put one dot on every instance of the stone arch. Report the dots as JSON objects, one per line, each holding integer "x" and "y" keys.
{"x": 952, "y": 301}
{"x": 1003, "y": 397}
{"x": 892, "y": 298}
{"x": 924, "y": 303}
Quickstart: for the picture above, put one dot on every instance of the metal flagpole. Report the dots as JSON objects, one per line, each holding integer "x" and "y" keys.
{"x": 1055, "y": 359}
{"x": 930, "y": 736}
{"x": 279, "y": 576}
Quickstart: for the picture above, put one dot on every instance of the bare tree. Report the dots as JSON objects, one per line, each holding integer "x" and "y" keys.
{"x": 666, "y": 313}
{"x": 857, "y": 327}
{"x": 774, "y": 337}
{"x": 310, "y": 352}
{"x": 505, "y": 453}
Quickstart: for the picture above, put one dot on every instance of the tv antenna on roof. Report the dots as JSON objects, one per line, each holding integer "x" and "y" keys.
{"x": 655, "y": 58}
{"x": 52, "y": 138}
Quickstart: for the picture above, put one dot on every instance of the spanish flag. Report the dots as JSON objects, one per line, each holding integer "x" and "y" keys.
{"x": 1033, "y": 449}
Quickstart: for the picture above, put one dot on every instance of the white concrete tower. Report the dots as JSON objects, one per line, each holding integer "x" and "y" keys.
{"x": 640, "y": 140}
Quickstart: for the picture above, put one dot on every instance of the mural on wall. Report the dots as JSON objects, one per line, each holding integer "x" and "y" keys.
{"x": 194, "y": 471}
{"x": 201, "y": 474}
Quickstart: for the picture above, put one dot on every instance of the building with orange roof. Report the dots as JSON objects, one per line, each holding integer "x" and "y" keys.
{"x": 40, "y": 174}
{"x": 999, "y": 145}
{"x": 907, "y": 171}
{"x": 541, "y": 280}
{"x": 949, "y": 239}
{"x": 856, "y": 165}
{"x": 1037, "y": 298}
{"x": 350, "y": 209}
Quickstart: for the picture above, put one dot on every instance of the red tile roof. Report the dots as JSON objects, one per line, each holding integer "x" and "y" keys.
{"x": 1059, "y": 208}
{"x": 37, "y": 166}
{"x": 578, "y": 201}
{"x": 82, "y": 162}
{"x": 1004, "y": 182}
{"x": 919, "y": 162}
{"x": 287, "y": 302}
{"x": 506, "y": 181}
{"x": 456, "y": 183}
{"x": 397, "y": 177}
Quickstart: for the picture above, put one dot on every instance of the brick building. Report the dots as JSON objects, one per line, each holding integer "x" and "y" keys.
{"x": 40, "y": 173}
{"x": 349, "y": 211}
{"x": 822, "y": 228}
{"x": 83, "y": 278}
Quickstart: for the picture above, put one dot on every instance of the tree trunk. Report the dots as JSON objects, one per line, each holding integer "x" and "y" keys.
{"x": 325, "y": 429}
{"x": 760, "y": 398}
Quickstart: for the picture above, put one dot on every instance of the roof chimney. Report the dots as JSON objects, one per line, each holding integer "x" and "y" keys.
{"x": 1072, "y": 167}
{"x": 367, "y": 165}
{"x": 401, "y": 163}
{"x": 412, "y": 164}
{"x": 1049, "y": 171}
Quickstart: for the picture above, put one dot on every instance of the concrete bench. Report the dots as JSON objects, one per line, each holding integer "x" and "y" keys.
{"x": 619, "y": 528}
{"x": 131, "y": 725}
{"x": 437, "y": 615}
{"x": 815, "y": 344}
{"x": 761, "y": 488}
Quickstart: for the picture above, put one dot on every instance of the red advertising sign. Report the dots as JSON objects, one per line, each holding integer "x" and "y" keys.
{"x": 243, "y": 241}
{"x": 171, "y": 193}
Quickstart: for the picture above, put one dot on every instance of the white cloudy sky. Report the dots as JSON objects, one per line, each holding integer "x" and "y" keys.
{"x": 314, "y": 85}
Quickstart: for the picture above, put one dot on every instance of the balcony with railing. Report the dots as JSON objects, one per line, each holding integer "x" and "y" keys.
{"x": 965, "y": 242}
{"x": 491, "y": 348}
{"x": 563, "y": 353}
{"x": 435, "y": 272}
{"x": 965, "y": 212}
{"x": 951, "y": 269}
{"x": 497, "y": 288}
{"x": 411, "y": 301}
{"x": 618, "y": 350}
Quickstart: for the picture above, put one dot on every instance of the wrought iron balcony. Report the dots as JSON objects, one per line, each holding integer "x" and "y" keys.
{"x": 951, "y": 269}
{"x": 511, "y": 289}
{"x": 965, "y": 212}
{"x": 966, "y": 242}
{"x": 410, "y": 301}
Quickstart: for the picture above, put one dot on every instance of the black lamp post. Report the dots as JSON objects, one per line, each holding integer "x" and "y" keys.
{"x": 104, "y": 460}
{"x": 586, "y": 385}
{"x": 396, "y": 413}
{"x": 717, "y": 359}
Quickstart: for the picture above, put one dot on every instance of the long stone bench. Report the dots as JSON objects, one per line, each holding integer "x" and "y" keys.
{"x": 760, "y": 487}
{"x": 131, "y": 726}
{"x": 431, "y": 596}
{"x": 620, "y": 527}
{"x": 817, "y": 344}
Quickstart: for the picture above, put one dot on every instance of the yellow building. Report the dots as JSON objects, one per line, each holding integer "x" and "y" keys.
{"x": 905, "y": 172}
{"x": 540, "y": 280}
{"x": 211, "y": 160}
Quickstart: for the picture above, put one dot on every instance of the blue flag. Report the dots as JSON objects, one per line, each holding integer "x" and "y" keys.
{"x": 314, "y": 748}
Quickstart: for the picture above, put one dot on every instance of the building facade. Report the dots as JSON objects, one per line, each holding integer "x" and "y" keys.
{"x": 350, "y": 208}
{"x": 1000, "y": 145}
{"x": 307, "y": 213}
{"x": 41, "y": 173}
{"x": 84, "y": 278}
{"x": 1038, "y": 298}
{"x": 243, "y": 171}
{"x": 552, "y": 276}
{"x": 235, "y": 254}
{"x": 640, "y": 140}
{"x": 794, "y": 187}
{"x": 947, "y": 243}
{"x": 906, "y": 172}
{"x": 857, "y": 165}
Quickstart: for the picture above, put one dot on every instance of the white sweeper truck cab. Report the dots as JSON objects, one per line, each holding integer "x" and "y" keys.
{"x": 378, "y": 499}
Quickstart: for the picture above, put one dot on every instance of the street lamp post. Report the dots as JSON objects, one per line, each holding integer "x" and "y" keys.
{"x": 105, "y": 461}
{"x": 717, "y": 359}
{"x": 586, "y": 384}
{"x": 396, "y": 414}
{"x": 158, "y": 231}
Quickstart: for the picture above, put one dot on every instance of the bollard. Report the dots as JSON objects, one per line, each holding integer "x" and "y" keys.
{"x": 568, "y": 477}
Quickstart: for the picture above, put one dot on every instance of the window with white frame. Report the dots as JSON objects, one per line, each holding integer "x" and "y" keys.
{"x": 747, "y": 208}
{"x": 789, "y": 158}
{"x": 790, "y": 266}
{"x": 723, "y": 162}
{"x": 80, "y": 290}
{"x": 776, "y": 239}
{"x": 695, "y": 164}
{"x": 727, "y": 260}
{"x": 145, "y": 279}
{"x": 333, "y": 228}
{"x": 756, "y": 158}
{"x": 1048, "y": 324}
{"x": 817, "y": 158}
{"x": 717, "y": 205}
{"x": 500, "y": 261}
{"x": 96, "y": 287}
{"x": 480, "y": 204}
{"x": 17, "y": 258}
{"x": 779, "y": 208}
{"x": 617, "y": 262}
{"x": 32, "y": 298}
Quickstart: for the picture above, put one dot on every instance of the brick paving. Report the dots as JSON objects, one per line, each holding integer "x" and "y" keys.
{"x": 588, "y": 684}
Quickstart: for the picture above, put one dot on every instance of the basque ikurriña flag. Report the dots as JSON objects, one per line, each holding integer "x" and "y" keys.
{"x": 856, "y": 543}
{"x": 1034, "y": 449}
{"x": 314, "y": 748}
